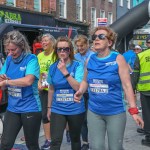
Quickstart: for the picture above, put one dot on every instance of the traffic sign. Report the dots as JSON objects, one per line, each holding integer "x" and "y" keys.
{"x": 101, "y": 21}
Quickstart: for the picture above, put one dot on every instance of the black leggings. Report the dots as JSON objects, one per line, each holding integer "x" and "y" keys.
{"x": 58, "y": 124}
{"x": 12, "y": 124}
{"x": 44, "y": 102}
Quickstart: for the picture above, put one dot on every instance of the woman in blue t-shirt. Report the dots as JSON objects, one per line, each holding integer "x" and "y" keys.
{"x": 106, "y": 77}
{"x": 64, "y": 79}
{"x": 20, "y": 75}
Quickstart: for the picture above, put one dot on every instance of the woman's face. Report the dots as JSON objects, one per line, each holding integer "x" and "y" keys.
{"x": 101, "y": 41}
{"x": 63, "y": 50}
{"x": 46, "y": 43}
{"x": 13, "y": 50}
{"x": 81, "y": 47}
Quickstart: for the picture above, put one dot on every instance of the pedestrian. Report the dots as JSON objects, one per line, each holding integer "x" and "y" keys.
{"x": 130, "y": 57}
{"x": 45, "y": 59}
{"x": 137, "y": 49}
{"x": 141, "y": 82}
{"x": 20, "y": 74}
{"x": 106, "y": 77}
{"x": 82, "y": 44}
{"x": 64, "y": 79}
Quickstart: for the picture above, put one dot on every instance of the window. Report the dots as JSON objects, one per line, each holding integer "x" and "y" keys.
{"x": 110, "y": 18}
{"x": 110, "y": 1}
{"x": 62, "y": 8}
{"x": 93, "y": 17}
{"x": 102, "y": 13}
{"x": 10, "y": 2}
{"x": 37, "y": 5}
{"x": 79, "y": 10}
{"x": 128, "y": 4}
{"x": 121, "y": 3}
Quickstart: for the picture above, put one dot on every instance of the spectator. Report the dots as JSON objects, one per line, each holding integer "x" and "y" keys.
{"x": 137, "y": 49}
{"x": 106, "y": 76}
{"x": 148, "y": 42}
{"x": 20, "y": 75}
{"x": 37, "y": 46}
{"x": 84, "y": 53}
{"x": 141, "y": 82}
{"x": 45, "y": 58}
{"x": 64, "y": 79}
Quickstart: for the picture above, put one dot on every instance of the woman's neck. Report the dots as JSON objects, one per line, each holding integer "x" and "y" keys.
{"x": 48, "y": 52}
{"x": 103, "y": 53}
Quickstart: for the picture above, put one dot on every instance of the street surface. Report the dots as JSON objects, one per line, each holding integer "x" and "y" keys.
{"x": 132, "y": 139}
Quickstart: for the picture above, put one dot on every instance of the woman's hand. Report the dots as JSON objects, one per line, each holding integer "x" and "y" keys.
{"x": 62, "y": 67}
{"x": 3, "y": 77}
{"x": 138, "y": 120}
{"x": 77, "y": 96}
{"x": 48, "y": 113}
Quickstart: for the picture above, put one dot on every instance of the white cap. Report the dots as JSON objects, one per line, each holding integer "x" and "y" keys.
{"x": 137, "y": 46}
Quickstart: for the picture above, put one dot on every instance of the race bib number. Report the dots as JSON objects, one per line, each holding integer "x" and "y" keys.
{"x": 98, "y": 86}
{"x": 15, "y": 92}
{"x": 65, "y": 95}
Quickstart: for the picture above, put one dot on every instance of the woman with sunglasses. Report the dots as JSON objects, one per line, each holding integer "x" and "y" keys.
{"x": 20, "y": 75}
{"x": 64, "y": 79}
{"x": 106, "y": 77}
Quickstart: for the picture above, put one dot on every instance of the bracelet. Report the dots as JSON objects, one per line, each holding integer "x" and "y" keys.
{"x": 6, "y": 81}
{"x": 133, "y": 111}
{"x": 48, "y": 107}
{"x": 67, "y": 75}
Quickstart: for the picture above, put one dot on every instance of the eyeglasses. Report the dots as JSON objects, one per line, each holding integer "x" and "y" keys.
{"x": 11, "y": 50}
{"x": 148, "y": 42}
{"x": 65, "y": 49}
{"x": 100, "y": 36}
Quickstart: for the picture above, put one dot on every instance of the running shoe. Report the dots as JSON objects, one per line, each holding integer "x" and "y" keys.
{"x": 85, "y": 147}
{"x": 46, "y": 145}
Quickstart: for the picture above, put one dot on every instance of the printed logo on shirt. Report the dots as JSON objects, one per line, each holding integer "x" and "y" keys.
{"x": 111, "y": 63}
{"x": 22, "y": 68}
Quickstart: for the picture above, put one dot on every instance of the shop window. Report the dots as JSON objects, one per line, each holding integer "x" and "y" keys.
{"x": 79, "y": 10}
{"x": 62, "y": 9}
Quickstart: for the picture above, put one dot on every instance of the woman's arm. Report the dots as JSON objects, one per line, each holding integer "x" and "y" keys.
{"x": 21, "y": 82}
{"x": 50, "y": 95}
{"x": 126, "y": 83}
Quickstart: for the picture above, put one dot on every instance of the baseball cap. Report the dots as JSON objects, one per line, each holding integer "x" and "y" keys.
{"x": 148, "y": 38}
{"x": 137, "y": 47}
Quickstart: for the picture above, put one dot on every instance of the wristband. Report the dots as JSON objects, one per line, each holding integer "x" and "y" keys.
{"x": 48, "y": 107}
{"x": 133, "y": 111}
{"x": 67, "y": 75}
{"x": 6, "y": 81}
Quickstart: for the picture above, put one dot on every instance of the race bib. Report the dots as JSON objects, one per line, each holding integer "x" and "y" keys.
{"x": 65, "y": 95}
{"x": 97, "y": 86}
{"x": 15, "y": 92}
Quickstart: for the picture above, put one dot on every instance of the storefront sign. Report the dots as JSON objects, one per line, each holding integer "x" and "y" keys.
{"x": 10, "y": 17}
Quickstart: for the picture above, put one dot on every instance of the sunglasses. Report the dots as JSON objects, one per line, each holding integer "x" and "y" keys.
{"x": 100, "y": 36}
{"x": 65, "y": 49}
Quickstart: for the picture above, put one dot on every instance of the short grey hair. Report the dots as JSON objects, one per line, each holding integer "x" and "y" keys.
{"x": 53, "y": 40}
{"x": 18, "y": 39}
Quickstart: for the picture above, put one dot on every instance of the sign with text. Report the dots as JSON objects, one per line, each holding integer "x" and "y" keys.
{"x": 101, "y": 21}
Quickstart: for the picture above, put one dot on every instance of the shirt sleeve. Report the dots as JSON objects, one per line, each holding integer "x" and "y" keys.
{"x": 3, "y": 69}
{"x": 33, "y": 68}
{"x": 79, "y": 72}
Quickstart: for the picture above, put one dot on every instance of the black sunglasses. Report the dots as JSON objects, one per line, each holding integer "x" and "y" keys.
{"x": 100, "y": 36}
{"x": 65, "y": 49}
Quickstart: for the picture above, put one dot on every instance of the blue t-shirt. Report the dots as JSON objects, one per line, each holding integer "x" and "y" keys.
{"x": 23, "y": 99}
{"x": 130, "y": 57}
{"x": 83, "y": 58}
{"x": 106, "y": 95}
{"x": 63, "y": 98}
